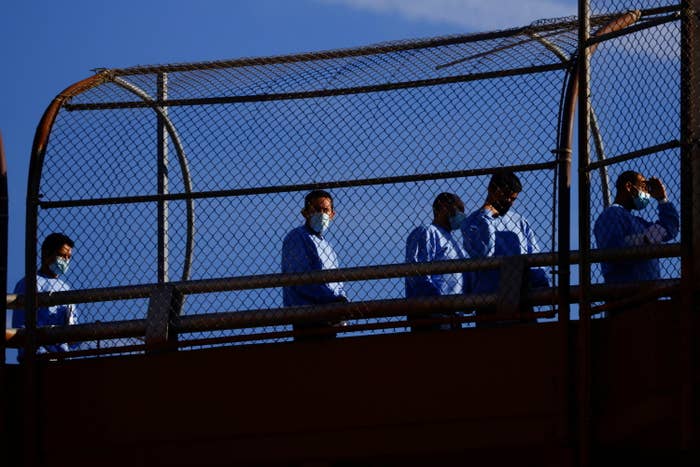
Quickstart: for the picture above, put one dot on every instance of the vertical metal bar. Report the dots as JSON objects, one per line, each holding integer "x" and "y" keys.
{"x": 690, "y": 217}
{"x": 584, "y": 188}
{"x": 3, "y": 302}
{"x": 600, "y": 152}
{"x": 3, "y": 247}
{"x": 564, "y": 211}
{"x": 155, "y": 319}
{"x": 31, "y": 417}
{"x": 563, "y": 260}
{"x": 162, "y": 163}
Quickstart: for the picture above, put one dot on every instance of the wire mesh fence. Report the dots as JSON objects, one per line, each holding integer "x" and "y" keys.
{"x": 634, "y": 140}
{"x": 180, "y": 183}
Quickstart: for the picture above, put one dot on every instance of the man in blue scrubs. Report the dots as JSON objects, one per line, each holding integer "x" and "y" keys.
{"x": 617, "y": 227}
{"x": 56, "y": 254}
{"x": 306, "y": 249}
{"x": 496, "y": 230}
{"x": 435, "y": 242}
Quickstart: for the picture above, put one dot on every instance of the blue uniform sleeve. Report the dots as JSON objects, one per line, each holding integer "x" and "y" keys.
{"x": 538, "y": 276}
{"x": 479, "y": 235}
{"x": 618, "y": 228}
{"x": 420, "y": 248}
{"x": 299, "y": 256}
{"x": 669, "y": 220}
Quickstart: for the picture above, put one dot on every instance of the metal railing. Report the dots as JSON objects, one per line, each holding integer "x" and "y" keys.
{"x": 166, "y": 320}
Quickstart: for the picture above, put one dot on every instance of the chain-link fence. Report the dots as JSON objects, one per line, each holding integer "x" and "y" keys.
{"x": 180, "y": 183}
{"x": 634, "y": 153}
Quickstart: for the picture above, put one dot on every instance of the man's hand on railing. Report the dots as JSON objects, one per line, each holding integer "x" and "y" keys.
{"x": 10, "y": 334}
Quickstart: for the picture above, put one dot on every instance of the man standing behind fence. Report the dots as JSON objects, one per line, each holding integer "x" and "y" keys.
{"x": 56, "y": 254}
{"x": 617, "y": 227}
{"x": 306, "y": 249}
{"x": 495, "y": 230}
{"x": 435, "y": 242}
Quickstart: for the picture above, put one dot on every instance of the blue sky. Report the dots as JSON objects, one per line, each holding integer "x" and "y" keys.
{"x": 48, "y": 45}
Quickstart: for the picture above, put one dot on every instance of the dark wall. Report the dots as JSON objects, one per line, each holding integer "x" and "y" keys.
{"x": 495, "y": 396}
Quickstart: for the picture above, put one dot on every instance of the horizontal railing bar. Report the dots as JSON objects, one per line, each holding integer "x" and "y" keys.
{"x": 293, "y": 188}
{"x": 332, "y": 312}
{"x": 86, "y": 331}
{"x": 271, "y": 335}
{"x": 634, "y": 154}
{"x": 122, "y": 349}
{"x": 389, "y": 308}
{"x": 387, "y": 271}
{"x": 321, "y": 93}
{"x": 357, "y": 327}
{"x": 261, "y": 317}
{"x": 635, "y": 28}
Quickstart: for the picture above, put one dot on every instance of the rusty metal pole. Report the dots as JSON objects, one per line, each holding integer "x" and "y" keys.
{"x": 584, "y": 328}
{"x": 563, "y": 261}
{"x": 569, "y": 413}
{"x": 31, "y": 415}
{"x": 690, "y": 220}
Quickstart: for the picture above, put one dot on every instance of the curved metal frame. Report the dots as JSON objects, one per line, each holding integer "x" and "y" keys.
{"x": 597, "y": 137}
{"x": 41, "y": 139}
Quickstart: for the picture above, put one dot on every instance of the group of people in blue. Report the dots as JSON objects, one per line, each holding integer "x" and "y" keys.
{"x": 492, "y": 230}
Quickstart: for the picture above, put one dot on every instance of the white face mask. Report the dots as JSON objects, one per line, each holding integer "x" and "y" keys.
{"x": 319, "y": 222}
{"x": 60, "y": 266}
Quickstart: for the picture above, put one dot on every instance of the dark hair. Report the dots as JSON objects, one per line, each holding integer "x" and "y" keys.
{"x": 444, "y": 199}
{"x": 53, "y": 242}
{"x": 317, "y": 194}
{"x": 627, "y": 176}
{"x": 507, "y": 181}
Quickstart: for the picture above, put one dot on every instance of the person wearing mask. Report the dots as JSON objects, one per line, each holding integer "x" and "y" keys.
{"x": 496, "y": 230}
{"x": 618, "y": 227}
{"x": 56, "y": 254}
{"x": 306, "y": 249}
{"x": 435, "y": 242}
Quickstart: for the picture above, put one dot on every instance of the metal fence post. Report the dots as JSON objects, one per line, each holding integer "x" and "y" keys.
{"x": 690, "y": 217}
{"x": 162, "y": 175}
{"x": 3, "y": 302}
{"x": 583, "y": 382}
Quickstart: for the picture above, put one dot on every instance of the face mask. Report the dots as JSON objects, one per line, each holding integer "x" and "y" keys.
{"x": 641, "y": 200}
{"x": 456, "y": 220}
{"x": 501, "y": 206}
{"x": 319, "y": 222}
{"x": 60, "y": 266}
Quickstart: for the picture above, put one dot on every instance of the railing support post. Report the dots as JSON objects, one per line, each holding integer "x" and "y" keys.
{"x": 512, "y": 272}
{"x": 159, "y": 332}
{"x": 690, "y": 220}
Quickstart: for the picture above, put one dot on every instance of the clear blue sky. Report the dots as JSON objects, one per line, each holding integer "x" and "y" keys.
{"x": 48, "y": 45}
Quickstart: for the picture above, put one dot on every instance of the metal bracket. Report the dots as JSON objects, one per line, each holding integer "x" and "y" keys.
{"x": 162, "y": 306}
{"x": 512, "y": 273}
